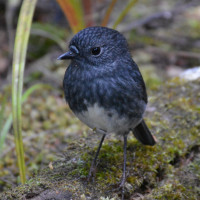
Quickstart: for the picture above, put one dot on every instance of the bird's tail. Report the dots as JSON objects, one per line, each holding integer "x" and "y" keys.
{"x": 143, "y": 134}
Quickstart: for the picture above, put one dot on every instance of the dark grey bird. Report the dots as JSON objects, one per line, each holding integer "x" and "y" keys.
{"x": 104, "y": 87}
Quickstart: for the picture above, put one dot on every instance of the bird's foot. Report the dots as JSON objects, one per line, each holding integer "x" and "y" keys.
{"x": 92, "y": 174}
{"x": 119, "y": 187}
{"x": 122, "y": 184}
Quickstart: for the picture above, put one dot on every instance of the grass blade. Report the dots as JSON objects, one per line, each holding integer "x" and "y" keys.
{"x": 3, "y": 127}
{"x": 108, "y": 13}
{"x": 87, "y": 7}
{"x": 19, "y": 56}
{"x": 32, "y": 89}
{"x": 74, "y": 13}
{"x": 124, "y": 12}
{"x": 7, "y": 125}
{"x": 3, "y": 103}
{"x": 4, "y": 132}
{"x": 50, "y": 31}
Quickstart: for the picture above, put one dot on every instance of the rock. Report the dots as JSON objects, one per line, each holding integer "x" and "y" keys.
{"x": 168, "y": 170}
{"x": 191, "y": 74}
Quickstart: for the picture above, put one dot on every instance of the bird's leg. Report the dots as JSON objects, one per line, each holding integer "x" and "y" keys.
{"x": 93, "y": 165}
{"x": 124, "y": 167}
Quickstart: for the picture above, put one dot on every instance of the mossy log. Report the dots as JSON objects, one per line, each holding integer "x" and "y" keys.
{"x": 168, "y": 170}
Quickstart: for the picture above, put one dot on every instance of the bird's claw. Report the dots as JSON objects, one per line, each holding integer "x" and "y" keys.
{"x": 91, "y": 174}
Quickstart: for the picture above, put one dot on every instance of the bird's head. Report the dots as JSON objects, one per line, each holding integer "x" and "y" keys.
{"x": 96, "y": 46}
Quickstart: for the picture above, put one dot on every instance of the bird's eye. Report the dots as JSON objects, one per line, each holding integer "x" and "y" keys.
{"x": 96, "y": 51}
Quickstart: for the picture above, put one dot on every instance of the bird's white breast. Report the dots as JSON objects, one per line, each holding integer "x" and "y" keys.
{"x": 103, "y": 121}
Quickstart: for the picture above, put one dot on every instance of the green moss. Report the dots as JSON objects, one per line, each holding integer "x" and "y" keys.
{"x": 151, "y": 77}
{"x": 168, "y": 170}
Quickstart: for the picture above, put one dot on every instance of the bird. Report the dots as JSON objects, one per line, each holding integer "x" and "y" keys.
{"x": 104, "y": 88}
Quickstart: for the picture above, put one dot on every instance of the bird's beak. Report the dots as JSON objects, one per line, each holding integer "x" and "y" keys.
{"x": 72, "y": 53}
{"x": 67, "y": 55}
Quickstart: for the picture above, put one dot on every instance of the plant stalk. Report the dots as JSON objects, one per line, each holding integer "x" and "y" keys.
{"x": 19, "y": 57}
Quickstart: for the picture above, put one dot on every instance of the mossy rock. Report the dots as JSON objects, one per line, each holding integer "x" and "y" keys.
{"x": 168, "y": 170}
